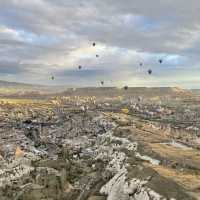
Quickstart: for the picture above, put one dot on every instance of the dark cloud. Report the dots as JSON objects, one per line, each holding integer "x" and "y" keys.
{"x": 83, "y": 73}
{"x": 11, "y": 67}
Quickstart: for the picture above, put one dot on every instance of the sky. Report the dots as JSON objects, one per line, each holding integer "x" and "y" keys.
{"x": 44, "y": 38}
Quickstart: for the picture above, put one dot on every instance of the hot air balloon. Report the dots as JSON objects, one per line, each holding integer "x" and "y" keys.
{"x": 150, "y": 71}
{"x": 126, "y": 87}
{"x": 79, "y": 67}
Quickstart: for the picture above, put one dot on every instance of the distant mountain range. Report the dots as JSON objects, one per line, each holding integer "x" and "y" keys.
{"x": 13, "y": 87}
{"x": 132, "y": 91}
{"x": 17, "y": 89}
{"x": 15, "y": 84}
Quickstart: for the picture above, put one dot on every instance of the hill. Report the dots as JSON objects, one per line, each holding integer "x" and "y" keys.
{"x": 14, "y": 89}
{"x": 130, "y": 92}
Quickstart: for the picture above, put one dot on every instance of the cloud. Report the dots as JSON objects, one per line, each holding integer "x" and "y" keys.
{"x": 55, "y": 36}
{"x": 11, "y": 67}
